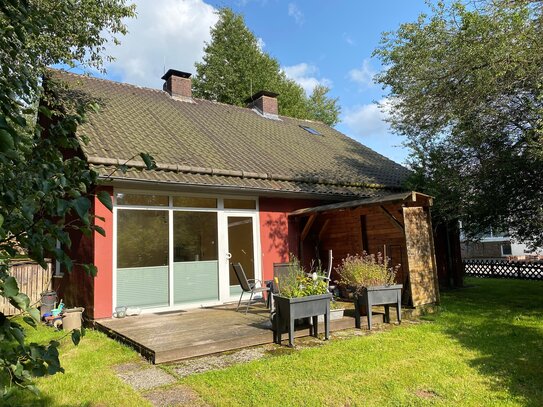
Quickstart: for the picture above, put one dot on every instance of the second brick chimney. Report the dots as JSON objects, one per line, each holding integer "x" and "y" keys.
{"x": 265, "y": 102}
{"x": 178, "y": 84}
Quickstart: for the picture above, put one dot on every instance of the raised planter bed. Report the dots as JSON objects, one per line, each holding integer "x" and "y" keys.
{"x": 378, "y": 295}
{"x": 287, "y": 310}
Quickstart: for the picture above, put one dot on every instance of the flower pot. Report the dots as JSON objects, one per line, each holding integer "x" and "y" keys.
{"x": 335, "y": 314}
{"x": 287, "y": 310}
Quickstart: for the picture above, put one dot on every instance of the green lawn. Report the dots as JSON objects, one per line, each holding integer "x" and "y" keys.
{"x": 89, "y": 378}
{"x": 484, "y": 347}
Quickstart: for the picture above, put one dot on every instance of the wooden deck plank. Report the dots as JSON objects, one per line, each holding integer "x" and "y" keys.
{"x": 168, "y": 337}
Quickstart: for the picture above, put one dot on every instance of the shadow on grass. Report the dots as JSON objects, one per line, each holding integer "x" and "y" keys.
{"x": 503, "y": 321}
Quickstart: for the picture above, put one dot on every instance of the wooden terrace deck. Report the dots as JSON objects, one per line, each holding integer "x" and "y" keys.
{"x": 172, "y": 336}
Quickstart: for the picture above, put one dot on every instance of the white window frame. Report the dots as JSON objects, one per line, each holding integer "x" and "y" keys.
{"x": 222, "y": 236}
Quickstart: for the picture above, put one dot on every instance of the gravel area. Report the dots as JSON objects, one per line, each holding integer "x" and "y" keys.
{"x": 215, "y": 362}
{"x": 146, "y": 378}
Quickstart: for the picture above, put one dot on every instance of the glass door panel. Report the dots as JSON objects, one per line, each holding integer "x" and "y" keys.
{"x": 241, "y": 249}
{"x": 196, "y": 266}
{"x": 142, "y": 258}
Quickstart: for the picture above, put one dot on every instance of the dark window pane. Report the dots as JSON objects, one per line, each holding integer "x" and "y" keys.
{"x": 240, "y": 204}
{"x": 141, "y": 200}
{"x": 142, "y": 238}
{"x": 194, "y": 202}
{"x": 195, "y": 236}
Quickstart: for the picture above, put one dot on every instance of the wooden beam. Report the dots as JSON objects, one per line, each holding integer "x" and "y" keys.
{"x": 392, "y": 219}
{"x": 307, "y": 226}
{"x": 323, "y": 228}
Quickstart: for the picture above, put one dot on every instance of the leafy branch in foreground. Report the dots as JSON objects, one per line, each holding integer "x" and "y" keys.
{"x": 46, "y": 187}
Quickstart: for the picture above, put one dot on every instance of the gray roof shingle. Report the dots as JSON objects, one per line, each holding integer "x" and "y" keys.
{"x": 211, "y": 143}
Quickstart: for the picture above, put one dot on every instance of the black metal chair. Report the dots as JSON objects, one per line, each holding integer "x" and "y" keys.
{"x": 248, "y": 285}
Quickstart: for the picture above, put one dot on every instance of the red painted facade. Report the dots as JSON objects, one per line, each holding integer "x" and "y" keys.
{"x": 96, "y": 294}
{"x": 275, "y": 240}
{"x": 103, "y": 260}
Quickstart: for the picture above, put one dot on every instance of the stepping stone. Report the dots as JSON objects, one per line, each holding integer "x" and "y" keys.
{"x": 174, "y": 396}
{"x": 146, "y": 378}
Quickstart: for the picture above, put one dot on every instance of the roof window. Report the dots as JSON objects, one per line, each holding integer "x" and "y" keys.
{"x": 311, "y": 130}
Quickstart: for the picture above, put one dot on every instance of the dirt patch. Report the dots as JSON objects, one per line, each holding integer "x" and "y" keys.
{"x": 426, "y": 394}
{"x": 215, "y": 362}
{"x": 174, "y": 396}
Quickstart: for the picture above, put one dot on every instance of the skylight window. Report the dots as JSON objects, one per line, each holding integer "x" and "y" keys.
{"x": 311, "y": 130}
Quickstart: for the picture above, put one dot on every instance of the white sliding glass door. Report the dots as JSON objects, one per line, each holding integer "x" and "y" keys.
{"x": 195, "y": 257}
{"x": 174, "y": 252}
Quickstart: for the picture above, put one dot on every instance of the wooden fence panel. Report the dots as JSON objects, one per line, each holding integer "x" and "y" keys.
{"x": 32, "y": 280}
{"x": 504, "y": 269}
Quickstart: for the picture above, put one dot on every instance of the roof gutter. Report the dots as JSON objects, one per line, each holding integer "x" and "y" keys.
{"x": 136, "y": 163}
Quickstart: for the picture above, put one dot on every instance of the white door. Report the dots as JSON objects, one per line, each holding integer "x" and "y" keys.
{"x": 241, "y": 246}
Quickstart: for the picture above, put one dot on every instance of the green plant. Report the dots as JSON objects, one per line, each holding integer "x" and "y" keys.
{"x": 361, "y": 271}
{"x": 297, "y": 283}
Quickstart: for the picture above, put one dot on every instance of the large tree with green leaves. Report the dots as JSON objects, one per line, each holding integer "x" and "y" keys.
{"x": 45, "y": 186}
{"x": 466, "y": 88}
{"x": 234, "y": 67}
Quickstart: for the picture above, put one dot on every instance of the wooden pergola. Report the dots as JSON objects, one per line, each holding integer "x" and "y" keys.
{"x": 397, "y": 225}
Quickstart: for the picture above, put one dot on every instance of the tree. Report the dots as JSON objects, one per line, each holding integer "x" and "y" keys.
{"x": 323, "y": 108}
{"x": 45, "y": 186}
{"x": 234, "y": 67}
{"x": 466, "y": 89}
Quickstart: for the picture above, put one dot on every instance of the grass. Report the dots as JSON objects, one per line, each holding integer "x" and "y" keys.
{"x": 89, "y": 378}
{"x": 484, "y": 347}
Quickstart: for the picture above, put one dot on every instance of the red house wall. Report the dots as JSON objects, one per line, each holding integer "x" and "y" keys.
{"x": 78, "y": 289}
{"x": 103, "y": 259}
{"x": 275, "y": 240}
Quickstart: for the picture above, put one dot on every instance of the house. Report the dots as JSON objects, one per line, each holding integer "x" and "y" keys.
{"x": 232, "y": 184}
{"x": 498, "y": 245}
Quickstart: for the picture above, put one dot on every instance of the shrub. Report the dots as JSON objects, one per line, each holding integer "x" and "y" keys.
{"x": 297, "y": 283}
{"x": 358, "y": 272}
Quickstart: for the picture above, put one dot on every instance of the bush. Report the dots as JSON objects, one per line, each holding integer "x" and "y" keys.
{"x": 358, "y": 272}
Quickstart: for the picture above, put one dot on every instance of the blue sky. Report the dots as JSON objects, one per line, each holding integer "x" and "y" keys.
{"x": 328, "y": 42}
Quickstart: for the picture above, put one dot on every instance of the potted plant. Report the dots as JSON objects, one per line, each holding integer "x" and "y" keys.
{"x": 372, "y": 282}
{"x": 300, "y": 295}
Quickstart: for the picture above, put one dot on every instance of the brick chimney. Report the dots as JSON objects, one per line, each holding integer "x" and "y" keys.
{"x": 178, "y": 84}
{"x": 265, "y": 102}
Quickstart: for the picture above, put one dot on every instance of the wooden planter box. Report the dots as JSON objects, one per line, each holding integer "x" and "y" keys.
{"x": 287, "y": 310}
{"x": 378, "y": 295}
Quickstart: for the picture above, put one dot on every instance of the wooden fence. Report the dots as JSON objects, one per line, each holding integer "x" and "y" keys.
{"x": 32, "y": 280}
{"x": 504, "y": 269}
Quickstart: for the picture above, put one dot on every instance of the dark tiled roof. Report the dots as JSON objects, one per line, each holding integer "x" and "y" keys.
{"x": 211, "y": 143}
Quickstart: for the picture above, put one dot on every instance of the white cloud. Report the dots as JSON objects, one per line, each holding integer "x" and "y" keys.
{"x": 348, "y": 39}
{"x": 366, "y": 123}
{"x": 363, "y": 75}
{"x": 306, "y": 76}
{"x": 295, "y": 12}
{"x": 260, "y": 43}
{"x": 166, "y": 33}
{"x": 369, "y": 120}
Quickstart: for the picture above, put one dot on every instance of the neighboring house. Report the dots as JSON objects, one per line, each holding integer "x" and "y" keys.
{"x": 497, "y": 245}
{"x": 232, "y": 184}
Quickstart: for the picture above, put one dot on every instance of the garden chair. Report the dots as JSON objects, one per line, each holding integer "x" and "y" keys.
{"x": 248, "y": 285}
{"x": 328, "y": 273}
